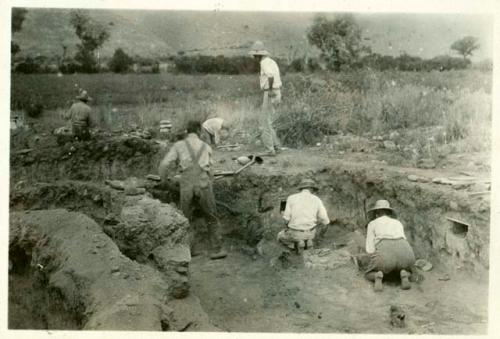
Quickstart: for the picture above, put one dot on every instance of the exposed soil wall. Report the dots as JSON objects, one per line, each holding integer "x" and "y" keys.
{"x": 95, "y": 283}
{"x": 145, "y": 241}
{"x": 32, "y": 303}
{"x": 86, "y": 267}
{"x": 348, "y": 191}
{"x": 144, "y": 229}
{"x": 250, "y": 202}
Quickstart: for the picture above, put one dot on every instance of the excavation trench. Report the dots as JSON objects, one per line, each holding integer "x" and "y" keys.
{"x": 256, "y": 288}
{"x": 249, "y": 206}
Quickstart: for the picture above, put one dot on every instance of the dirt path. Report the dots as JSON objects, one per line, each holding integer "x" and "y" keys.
{"x": 243, "y": 294}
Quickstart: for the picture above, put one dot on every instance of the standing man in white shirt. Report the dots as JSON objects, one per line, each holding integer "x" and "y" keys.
{"x": 303, "y": 212}
{"x": 270, "y": 84}
{"x": 386, "y": 243}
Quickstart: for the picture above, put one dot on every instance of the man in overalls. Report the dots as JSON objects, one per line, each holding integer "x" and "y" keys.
{"x": 193, "y": 156}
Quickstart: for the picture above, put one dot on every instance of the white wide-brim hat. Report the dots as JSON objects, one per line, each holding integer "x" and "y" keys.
{"x": 381, "y": 205}
{"x": 258, "y": 48}
{"x": 308, "y": 183}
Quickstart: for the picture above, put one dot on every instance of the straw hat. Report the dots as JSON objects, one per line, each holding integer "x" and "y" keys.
{"x": 258, "y": 49}
{"x": 83, "y": 96}
{"x": 381, "y": 205}
{"x": 307, "y": 183}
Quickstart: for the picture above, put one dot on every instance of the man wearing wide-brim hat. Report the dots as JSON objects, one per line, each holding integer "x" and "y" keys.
{"x": 270, "y": 84}
{"x": 386, "y": 243}
{"x": 80, "y": 116}
{"x": 303, "y": 212}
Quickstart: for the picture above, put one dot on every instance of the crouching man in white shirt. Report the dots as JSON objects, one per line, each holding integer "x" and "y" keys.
{"x": 387, "y": 245}
{"x": 303, "y": 212}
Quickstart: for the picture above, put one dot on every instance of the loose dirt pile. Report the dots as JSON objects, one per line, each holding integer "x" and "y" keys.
{"x": 39, "y": 158}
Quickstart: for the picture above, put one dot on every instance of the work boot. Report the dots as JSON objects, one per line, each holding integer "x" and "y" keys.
{"x": 218, "y": 255}
{"x": 378, "y": 281}
{"x": 299, "y": 246}
{"x": 308, "y": 244}
{"x": 405, "y": 283}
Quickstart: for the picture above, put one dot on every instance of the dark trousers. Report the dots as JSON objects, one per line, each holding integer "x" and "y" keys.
{"x": 196, "y": 194}
{"x": 207, "y": 136}
{"x": 81, "y": 131}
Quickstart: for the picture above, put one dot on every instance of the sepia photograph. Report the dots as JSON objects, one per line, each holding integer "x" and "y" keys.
{"x": 268, "y": 170}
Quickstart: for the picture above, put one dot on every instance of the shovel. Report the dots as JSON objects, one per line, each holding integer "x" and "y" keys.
{"x": 255, "y": 159}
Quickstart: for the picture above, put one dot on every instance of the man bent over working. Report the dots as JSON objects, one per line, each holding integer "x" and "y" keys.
{"x": 302, "y": 213}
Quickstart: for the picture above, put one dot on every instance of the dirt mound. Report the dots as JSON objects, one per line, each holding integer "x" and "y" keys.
{"x": 96, "y": 281}
{"x": 155, "y": 233}
{"x": 102, "y": 157}
{"x": 144, "y": 229}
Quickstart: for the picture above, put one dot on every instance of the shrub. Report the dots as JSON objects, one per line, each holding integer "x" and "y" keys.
{"x": 447, "y": 63}
{"x": 70, "y": 66}
{"x": 484, "y": 65}
{"x": 146, "y": 65}
{"x": 87, "y": 61}
{"x": 29, "y": 65}
{"x": 406, "y": 62}
{"x": 120, "y": 62}
{"x": 34, "y": 109}
{"x": 203, "y": 64}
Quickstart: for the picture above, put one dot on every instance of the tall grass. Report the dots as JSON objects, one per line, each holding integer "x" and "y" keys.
{"x": 456, "y": 105}
{"x": 375, "y": 104}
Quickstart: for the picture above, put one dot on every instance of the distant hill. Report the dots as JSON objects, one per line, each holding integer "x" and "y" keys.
{"x": 160, "y": 33}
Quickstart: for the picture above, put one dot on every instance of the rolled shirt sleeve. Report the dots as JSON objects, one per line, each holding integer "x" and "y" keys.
{"x": 171, "y": 157}
{"x": 217, "y": 137}
{"x": 287, "y": 214}
{"x": 370, "y": 238}
{"x": 210, "y": 160}
{"x": 269, "y": 69}
{"x": 322, "y": 214}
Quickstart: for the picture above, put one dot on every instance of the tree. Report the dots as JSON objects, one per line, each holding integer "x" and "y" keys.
{"x": 120, "y": 62}
{"x": 92, "y": 35}
{"x": 339, "y": 40}
{"x": 465, "y": 46}
{"x": 18, "y": 16}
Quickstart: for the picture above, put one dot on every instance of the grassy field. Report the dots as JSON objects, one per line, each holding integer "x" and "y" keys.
{"x": 455, "y": 106}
